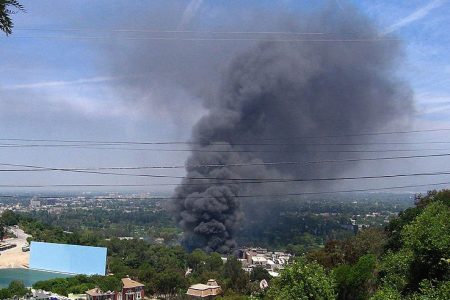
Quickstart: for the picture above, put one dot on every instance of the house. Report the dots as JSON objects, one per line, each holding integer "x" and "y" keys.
{"x": 97, "y": 294}
{"x": 40, "y": 295}
{"x": 132, "y": 290}
{"x": 205, "y": 291}
{"x": 72, "y": 296}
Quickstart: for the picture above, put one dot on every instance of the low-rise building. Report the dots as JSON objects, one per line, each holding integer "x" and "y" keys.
{"x": 132, "y": 290}
{"x": 72, "y": 296}
{"x": 259, "y": 260}
{"x": 204, "y": 291}
{"x": 41, "y": 295}
{"x": 98, "y": 294}
{"x": 35, "y": 203}
{"x": 260, "y": 257}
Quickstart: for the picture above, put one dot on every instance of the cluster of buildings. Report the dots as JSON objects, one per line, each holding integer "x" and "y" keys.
{"x": 273, "y": 262}
{"x": 83, "y": 201}
{"x": 131, "y": 290}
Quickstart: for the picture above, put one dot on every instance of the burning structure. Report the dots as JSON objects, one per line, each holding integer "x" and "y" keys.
{"x": 342, "y": 83}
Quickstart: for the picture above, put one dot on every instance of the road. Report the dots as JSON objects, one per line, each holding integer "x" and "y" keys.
{"x": 15, "y": 258}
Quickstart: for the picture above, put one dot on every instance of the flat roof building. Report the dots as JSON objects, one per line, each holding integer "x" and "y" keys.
{"x": 259, "y": 260}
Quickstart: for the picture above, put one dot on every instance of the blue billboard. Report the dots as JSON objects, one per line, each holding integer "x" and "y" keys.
{"x": 72, "y": 259}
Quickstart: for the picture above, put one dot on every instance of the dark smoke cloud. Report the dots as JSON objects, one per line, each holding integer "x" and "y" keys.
{"x": 282, "y": 91}
{"x": 171, "y": 79}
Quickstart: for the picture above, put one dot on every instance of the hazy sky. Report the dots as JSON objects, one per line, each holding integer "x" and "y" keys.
{"x": 91, "y": 79}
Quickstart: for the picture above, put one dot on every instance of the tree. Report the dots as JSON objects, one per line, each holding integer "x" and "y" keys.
{"x": 259, "y": 273}
{"x": 170, "y": 282}
{"x": 109, "y": 283}
{"x": 369, "y": 241}
{"x": 428, "y": 290}
{"x": 9, "y": 217}
{"x": 237, "y": 279}
{"x": 348, "y": 251}
{"x": 214, "y": 262}
{"x": 17, "y": 288}
{"x": 387, "y": 293}
{"x": 8, "y": 8}
{"x": 395, "y": 269}
{"x": 2, "y": 230}
{"x": 417, "y": 265}
{"x": 197, "y": 259}
{"x": 14, "y": 290}
{"x": 356, "y": 282}
{"x": 5, "y": 294}
{"x": 331, "y": 255}
{"x": 302, "y": 280}
{"x": 395, "y": 226}
{"x": 428, "y": 238}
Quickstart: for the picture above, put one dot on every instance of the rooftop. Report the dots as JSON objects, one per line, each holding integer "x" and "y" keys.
{"x": 204, "y": 290}
{"x": 200, "y": 287}
{"x": 98, "y": 292}
{"x": 259, "y": 258}
{"x": 129, "y": 283}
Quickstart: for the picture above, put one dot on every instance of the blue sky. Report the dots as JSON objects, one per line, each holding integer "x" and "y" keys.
{"x": 84, "y": 88}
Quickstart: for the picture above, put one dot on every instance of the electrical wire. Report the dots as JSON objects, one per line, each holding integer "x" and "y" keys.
{"x": 92, "y": 143}
{"x": 128, "y": 30}
{"x": 188, "y": 142}
{"x": 206, "y": 39}
{"x": 245, "y": 180}
{"x": 209, "y": 150}
{"x": 238, "y": 164}
{"x": 212, "y": 197}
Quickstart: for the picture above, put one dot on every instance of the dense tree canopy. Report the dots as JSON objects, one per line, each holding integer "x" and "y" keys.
{"x": 303, "y": 281}
{"x": 79, "y": 284}
{"x": 15, "y": 289}
{"x": 408, "y": 259}
{"x": 356, "y": 282}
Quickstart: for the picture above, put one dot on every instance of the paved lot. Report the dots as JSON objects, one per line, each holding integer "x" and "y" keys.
{"x": 15, "y": 258}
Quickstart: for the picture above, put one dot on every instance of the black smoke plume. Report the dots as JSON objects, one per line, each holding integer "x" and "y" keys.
{"x": 275, "y": 93}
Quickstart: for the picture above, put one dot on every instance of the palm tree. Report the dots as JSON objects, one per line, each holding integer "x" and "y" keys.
{"x": 8, "y": 8}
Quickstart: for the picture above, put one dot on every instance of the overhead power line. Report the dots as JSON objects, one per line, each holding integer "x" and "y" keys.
{"x": 209, "y": 150}
{"x": 212, "y": 197}
{"x": 131, "y": 30}
{"x": 238, "y": 164}
{"x": 191, "y": 35}
{"x": 189, "y": 142}
{"x": 208, "y": 39}
{"x": 371, "y": 133}
{"x": 93, "y": 143}
{"x": 244, "y": 180}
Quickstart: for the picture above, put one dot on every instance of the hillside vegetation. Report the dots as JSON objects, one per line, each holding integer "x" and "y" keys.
{"x": 407, "y": 259}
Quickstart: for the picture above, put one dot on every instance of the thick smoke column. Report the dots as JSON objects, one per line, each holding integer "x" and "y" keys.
{"x": 283, "y": 90}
